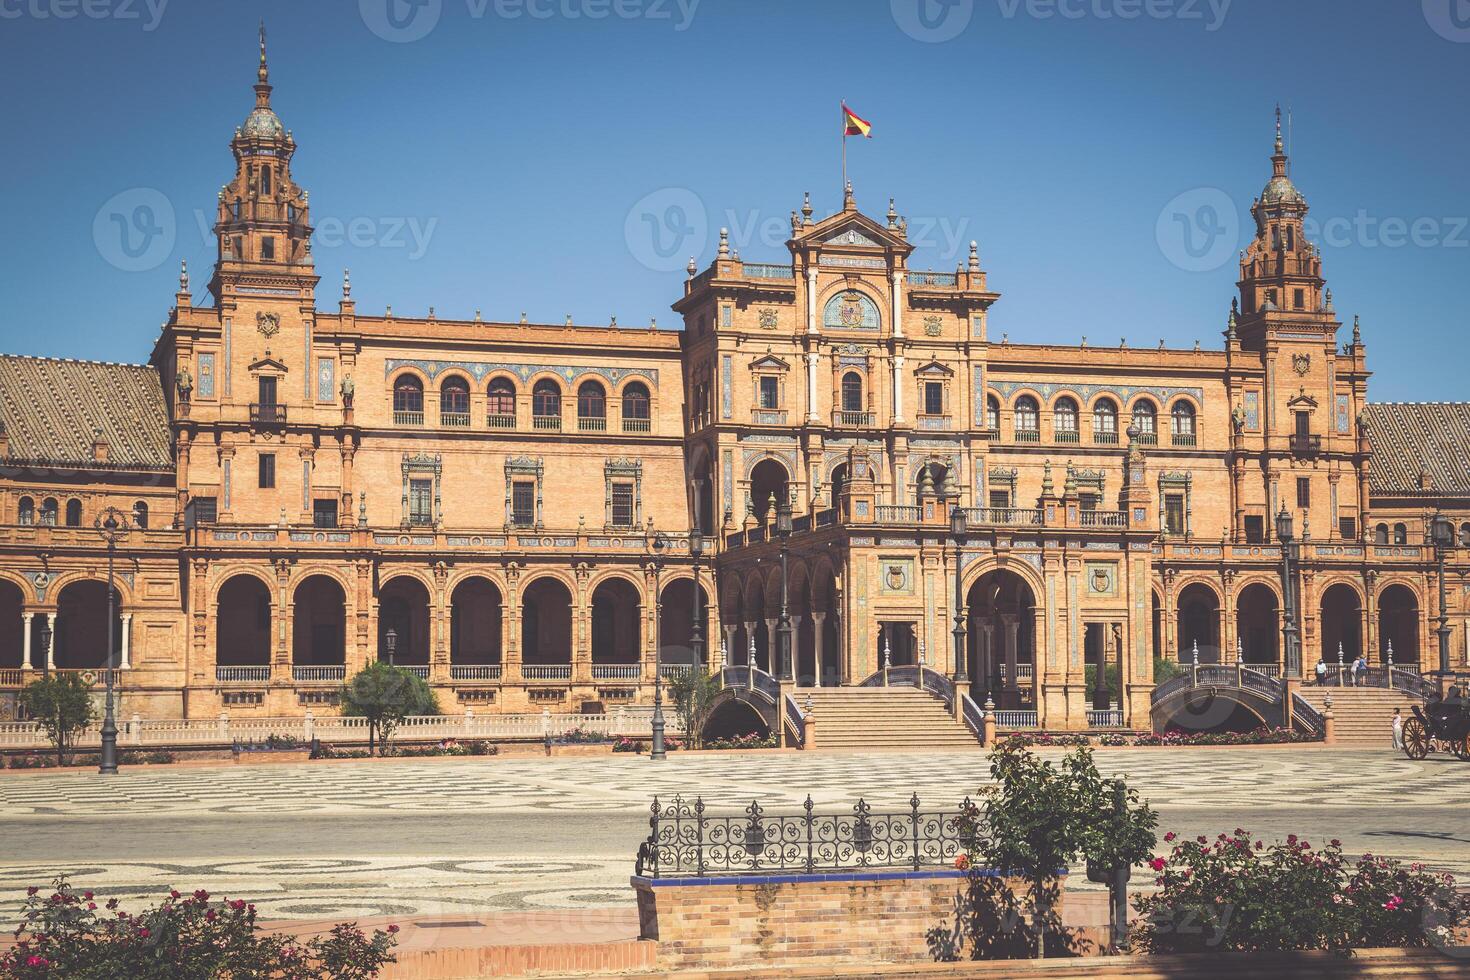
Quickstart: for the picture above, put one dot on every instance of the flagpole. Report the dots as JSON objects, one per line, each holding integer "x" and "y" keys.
{"x": 843, "y": 130}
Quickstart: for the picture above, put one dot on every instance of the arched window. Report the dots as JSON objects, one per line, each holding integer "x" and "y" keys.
{"x": 1181, "y": 423}
{"x": 992, "y": 413}
{"x": 140, "y": 515}
{"x": 48, "y": 511}
{"x": 1105, "y": 421}
{"x": 1064, "y": 420}
{"x": 1380, "y": 534}
{"x": 73, "y": 513}
{"x": 27, "y": 510}
{"x": 502, "y": 404}
{"x": 1028, "y": 428}
{"x": 852, "y": 392}
{"x": 408, "y": 401}
{"x": 546, "y": 404}
{"x": 1146, "y": 417}
{"x": 454, "y": 402}
{"x": 636, "y": 407}
{"x": 1465, "y": 535}
{"x": 591, "y": 406}
{"x": 1400, "y": 534}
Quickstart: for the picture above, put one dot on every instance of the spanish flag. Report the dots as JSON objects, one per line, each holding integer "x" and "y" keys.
{"x": 854, "y": 124}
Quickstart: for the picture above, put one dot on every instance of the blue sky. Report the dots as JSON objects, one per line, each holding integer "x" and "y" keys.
{"x": 566, "y": 156}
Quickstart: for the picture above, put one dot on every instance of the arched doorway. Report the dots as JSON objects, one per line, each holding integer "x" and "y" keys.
{"x": 319, "y": 623}
{"x": 80, "y": 635}
{"x": 837, "y": 480}
{"x": 475, "y": 623}
{"x": 1002, "y": 642}
{"x": 403, "y": 607}
{"x": 1398, "y": 624}
{"x": 677, "y": 609}
{"x": 1256, "y": 625}
{"x": 1199, "y": 624}
{"x": 12, "y": 626}
{"x": 767, "y": 480}
{"x": 546, "y": 624}
{"x": 242, "y": 634}
{"x": 615, "y": 624}
{"x": 702, "y": 496}
{"x": 1340, "y": 623}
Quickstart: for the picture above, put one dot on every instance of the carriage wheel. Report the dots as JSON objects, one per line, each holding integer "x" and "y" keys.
{"x": 1416, "y": 739}
{"x": 1461, "y": 748}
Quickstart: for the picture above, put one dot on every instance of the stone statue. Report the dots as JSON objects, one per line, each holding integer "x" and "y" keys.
{"x": 185, "y": 384}
{"x": 348, "y": 389}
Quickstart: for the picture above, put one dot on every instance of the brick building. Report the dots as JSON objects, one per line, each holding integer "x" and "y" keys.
{"x": 304, "y": 483}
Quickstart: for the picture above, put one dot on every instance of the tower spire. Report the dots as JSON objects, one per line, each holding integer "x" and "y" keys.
{"x": 263, "y": 73}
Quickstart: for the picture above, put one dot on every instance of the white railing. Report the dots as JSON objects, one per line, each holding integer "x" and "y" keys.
{"x": 12, "y": 677}
{"x": 1015, "y": 719}
{"x": 616, "y": 672}
{"x": 474, "y": 672}
{"x": 546, "y": 672}
{"x": 668, "y": 671}
{"x": 420, "y": 671}
{"x": 1024, "y": 672}
{"x": 330, "y": 672}
{"x": 1269, "y": 670}
{"x": 256, "y": 673}
{"x": 1105, "y": 719}
{"x": 222, "y": 731}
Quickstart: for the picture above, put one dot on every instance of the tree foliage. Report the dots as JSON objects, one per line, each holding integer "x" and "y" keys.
{"x": 385, "y": 695}
{"x": 693, "y": 694}
{"x": 62, "y": 704}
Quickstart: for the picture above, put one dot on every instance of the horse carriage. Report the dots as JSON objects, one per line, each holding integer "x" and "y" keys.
{"x": 1440, "y": 725}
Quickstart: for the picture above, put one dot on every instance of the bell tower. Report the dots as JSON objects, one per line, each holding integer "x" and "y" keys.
{"x": 263, "y": 227}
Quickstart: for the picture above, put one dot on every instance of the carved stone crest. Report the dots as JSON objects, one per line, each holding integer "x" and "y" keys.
{"x": 269, "y": 324}
{"x": 1301, "y": 363}
{"x": 932, "y": 326}
{"x": 850, "y": 311}
{"x": 768, "y": 319}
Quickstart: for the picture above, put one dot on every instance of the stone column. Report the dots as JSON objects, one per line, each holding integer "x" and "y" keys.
{"x": 25, "y": 660}
{"x": 811, "y": 386}
{"x": 127, "y": 630}
{"x": 748, "y": 654}
{"x": 510, "y": 645}
{"x": 773, "y": 652}
{"x": 985, "y": 652}
{"x": 897, "y": 398}
{"x": 51, "y": 641}
{"x": 1011, "y": 623}
{"x": 731, "y": 655}
{"x": 795, "y": 649}
{"x": 818, "y": 619}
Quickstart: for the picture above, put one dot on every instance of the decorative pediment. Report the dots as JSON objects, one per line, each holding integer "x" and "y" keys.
{"x": 769, "y": 362}
{"x": 850, "y": 229}
{"x": 269, "y": 364}
{"x": 934, "y": 369}
{"x": 1301, "y": 400}
{"x": 850, "y": 235}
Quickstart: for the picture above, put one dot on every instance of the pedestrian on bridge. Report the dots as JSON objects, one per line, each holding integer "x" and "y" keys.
{"x": 1321, "y": 672}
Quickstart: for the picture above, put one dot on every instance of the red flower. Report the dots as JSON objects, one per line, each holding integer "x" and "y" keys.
{"x": 32, "y": 890}
{"x": 962, "y": 862}
{"x": 392, "y": 929}
{"x": 1169, "y": 837}
{"x": 1157, "y": 864}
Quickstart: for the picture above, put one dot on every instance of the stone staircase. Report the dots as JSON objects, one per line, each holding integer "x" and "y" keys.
{"x": 883, "y": 718}
{"x": 1363, "y": 715}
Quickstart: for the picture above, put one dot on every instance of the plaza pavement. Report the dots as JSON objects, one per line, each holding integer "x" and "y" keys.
{"x": 466, "y": 837}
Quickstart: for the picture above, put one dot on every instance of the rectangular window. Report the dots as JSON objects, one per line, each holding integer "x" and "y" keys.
{"x": 523, "y": 503}
{"x": 1298, "y": 298}
{"x": 770, "y": 392}
{"x": 1000, "y": 498}
{"x": 1303, "y": 491}
{"x": 267, "y": 471}
{"x": 268, "y": 248}
{"x": 933, "y": 398}
{"x": 324, "y": 513}
{"x": 622, "y": 505}
{"x": 1347, "y": 528}
{"x": 421, "y": 502}
{"x": 267, "y": 390}
{"x": 206, "y": 509}
{"x": 265, "y": 180}
{"x": 1174, "y": 513}
{"x": 1255, "y": 529}
{"x": 1088, "y": 501}
{"x": 1303, "y": 424}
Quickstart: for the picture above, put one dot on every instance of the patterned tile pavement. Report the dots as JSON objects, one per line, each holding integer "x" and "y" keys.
{"x": 457, "y": 836}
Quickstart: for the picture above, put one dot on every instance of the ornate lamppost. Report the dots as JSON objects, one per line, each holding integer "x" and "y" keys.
{"x": 1442, "y": 533}
{"x": 390, "y": 638}
{"x": 657, "y": 544}
{"x": 783, "y": 629}
{"x": 959, "y": 530}
{"x": 43, "y": 637}
{"x": 1284, "y": 534}
{"x": 112, "y": 524}
{"x": 696, "y": 630}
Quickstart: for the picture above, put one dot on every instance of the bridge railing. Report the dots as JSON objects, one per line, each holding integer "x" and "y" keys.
{"x": 924, "y": 678}
{"x": 752, "y": 678}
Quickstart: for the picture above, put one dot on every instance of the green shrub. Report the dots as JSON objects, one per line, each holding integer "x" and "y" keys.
{"x": 62, "y": 704}
{"x": 385, "y": 695}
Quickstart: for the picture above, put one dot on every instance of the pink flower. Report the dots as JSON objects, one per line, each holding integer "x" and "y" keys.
{"x": 173, "y": 893}
{"x": 392, "y": 929}
{"x": 1393, "y": 903}
{"x": 32, "y": 890}
{"x": 1158, "y": 864}
{"x": 1169, "y": 837}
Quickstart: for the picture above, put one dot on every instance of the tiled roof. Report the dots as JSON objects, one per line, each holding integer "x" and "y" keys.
{"x": 52, "y": 410}
{"x": 1408, "y": 437}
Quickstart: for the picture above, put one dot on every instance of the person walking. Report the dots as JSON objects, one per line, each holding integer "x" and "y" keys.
{"x": 1360, "y": 667}
{"x": 1321, "y": 673}
{"x": 1398, "y": 730}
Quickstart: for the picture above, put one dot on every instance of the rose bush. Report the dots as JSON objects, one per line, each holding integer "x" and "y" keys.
{"x": 186, "y": 937}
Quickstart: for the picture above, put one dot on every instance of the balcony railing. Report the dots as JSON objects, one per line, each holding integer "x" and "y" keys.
{"x": 1027, "y": 435}
{"x": 1015, "y": 719}
{"x": 851, "y": 419}
{"x": 1009, "y": 516}
{"x": 898, "y": 514}
{"x": 227, "y": 675}
{"x": 637, "y": 425}
{"x": 1105, "y": 437}
{"x": 1112, "y": 718}
{"x": 474, "y": 672}
{"x": 934, "y": 422}
{"x": 12, "y": 677}
{"x": 421, "y": 671}
{"x": 1148, "y": 438}
{"x": 768, "y": 416}
{"x": 1303, "y": 444}
{"x": 762, "y": 270}
{"x": 1068, "y": 435}
{"x": 329, "y": 672}
{"x": 263, "y": 414}
{"x": 933, "y": 279}
{"x": 546, "y": 672}
{"x": 501, "y": 421}
{"x": 1184, "y": 439}
{"x": 454, "y": 420}
{"x": 591, "y": 423}
{"x": 1104, "y": 518}
{"x": 408, "y": 418}
{"x": 546, "y": 423}
{"x": 616, "y": 672}
{"x": 670, "y": 671}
